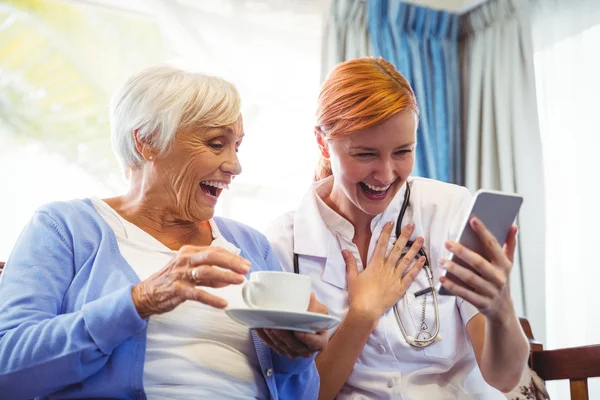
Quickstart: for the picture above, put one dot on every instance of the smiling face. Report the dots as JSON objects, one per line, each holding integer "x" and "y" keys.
{"x": 370, "y": 165}
{"x": 193, "y": 172}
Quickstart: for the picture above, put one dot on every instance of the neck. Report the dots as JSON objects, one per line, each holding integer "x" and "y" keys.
{"x": 149, "y": 210}
{"x": 339, "y": 203}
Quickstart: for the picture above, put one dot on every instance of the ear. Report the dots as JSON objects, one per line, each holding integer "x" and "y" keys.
{"x": 143, "y": 148}
{"x": 322, "y": 142}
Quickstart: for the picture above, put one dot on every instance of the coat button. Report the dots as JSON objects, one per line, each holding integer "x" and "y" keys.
{"x": 381, "y": 349}
{"x": 270, "y": 372}
{"x": 391, "y": 383}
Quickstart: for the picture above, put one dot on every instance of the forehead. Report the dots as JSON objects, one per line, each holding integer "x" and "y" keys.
{"x": 397, "y": 130}
{"x": 234, "y": 131}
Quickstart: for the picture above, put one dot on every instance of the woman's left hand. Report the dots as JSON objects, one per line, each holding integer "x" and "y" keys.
{"x": 296, "y": 344}
{"x": 488, "y": 289}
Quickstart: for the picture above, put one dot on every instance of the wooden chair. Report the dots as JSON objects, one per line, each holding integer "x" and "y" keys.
{"x": 576, "y": 364}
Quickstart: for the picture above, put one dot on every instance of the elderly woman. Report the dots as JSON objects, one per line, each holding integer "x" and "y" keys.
{"x": 124, "y": 297}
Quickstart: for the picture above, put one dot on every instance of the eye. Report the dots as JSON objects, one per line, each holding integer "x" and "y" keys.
{"x": 216, "y": 145}
{"x": 403, "y": 152}
{"x": 364, "y": 155}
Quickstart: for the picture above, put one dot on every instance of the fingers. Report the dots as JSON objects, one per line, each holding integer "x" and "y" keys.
{"x": 351, "y": 266}
{"x": 288, "y": 343}
{"x": 414, "y": 271}
{"x": 401, "y": 242}
{"x": 313, "y": 341}
{"x": 410, "y": 255}
{"x": 491, "y": 245}
{"x": 511, "y": 243}
{"x": 267, "y": 340}
{"x": 477, "y": 262}
{"x": 192, "y": 293}
{"x": 315, "y": 306}
{"x": 195, "y": 256}
{"x": 383, "y": 240}
{"x": 474, "y": 298}
{"x": 471, "y": 279}
{"x": 213, "y": 277}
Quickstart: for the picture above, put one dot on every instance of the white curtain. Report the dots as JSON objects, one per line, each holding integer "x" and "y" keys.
{"x": 502, "y": 141}
{"x": 567, "y": 68}
{"x": 345, "y": 34}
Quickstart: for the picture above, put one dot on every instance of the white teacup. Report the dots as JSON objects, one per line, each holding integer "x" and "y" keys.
{"x": 276, "y": 290}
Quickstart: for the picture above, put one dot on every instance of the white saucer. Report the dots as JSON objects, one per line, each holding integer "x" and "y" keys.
{"x": 289, "y": 320}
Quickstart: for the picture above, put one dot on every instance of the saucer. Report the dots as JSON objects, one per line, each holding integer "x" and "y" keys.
{"x": 278, "y": 319}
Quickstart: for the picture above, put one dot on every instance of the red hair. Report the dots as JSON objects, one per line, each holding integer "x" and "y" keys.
{"x": 359, "y": 94}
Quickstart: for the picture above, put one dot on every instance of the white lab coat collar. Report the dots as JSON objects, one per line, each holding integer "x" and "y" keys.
{"x": 314, "y": 237}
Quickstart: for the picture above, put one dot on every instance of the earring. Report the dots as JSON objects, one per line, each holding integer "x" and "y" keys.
{"x": 150, "y": 157}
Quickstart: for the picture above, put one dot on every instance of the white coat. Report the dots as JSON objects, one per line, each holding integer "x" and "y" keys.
{"x": 388, "y": 368}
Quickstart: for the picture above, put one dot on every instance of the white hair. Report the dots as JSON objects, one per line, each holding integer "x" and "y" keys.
{"x": 160, "y": 101}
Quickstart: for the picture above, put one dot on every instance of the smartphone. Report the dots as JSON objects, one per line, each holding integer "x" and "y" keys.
{"x": 497, "y": 211}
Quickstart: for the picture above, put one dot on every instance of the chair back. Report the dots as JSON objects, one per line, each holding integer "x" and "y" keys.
{"x": 576, "y": 364}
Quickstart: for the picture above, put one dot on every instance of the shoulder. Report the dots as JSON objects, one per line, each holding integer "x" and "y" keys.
{"x": 433, "y": 186}
{"x": 240, "y": 234}
{"x": 431, "y": 190}
{"x": 281, "y": 227}
{"x": 68, "y": 216}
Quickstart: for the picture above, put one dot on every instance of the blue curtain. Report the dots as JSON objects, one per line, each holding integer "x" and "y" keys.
{"x": 423, "y": 44}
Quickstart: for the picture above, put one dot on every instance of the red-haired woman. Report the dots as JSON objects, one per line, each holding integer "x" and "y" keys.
{"x": 398, "y": 339}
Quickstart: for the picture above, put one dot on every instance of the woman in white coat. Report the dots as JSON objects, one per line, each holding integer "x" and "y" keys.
{"x": 342, "y": 235}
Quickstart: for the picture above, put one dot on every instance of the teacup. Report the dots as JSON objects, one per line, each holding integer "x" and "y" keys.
{"x": 276, "y": 290}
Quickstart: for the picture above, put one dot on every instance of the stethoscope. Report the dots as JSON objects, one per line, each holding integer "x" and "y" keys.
{"x": 424, "y": 337}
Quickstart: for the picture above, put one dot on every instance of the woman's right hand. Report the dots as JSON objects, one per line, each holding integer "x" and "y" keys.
{"x": 177, "y": 282}
{"x": 381, "y": 285}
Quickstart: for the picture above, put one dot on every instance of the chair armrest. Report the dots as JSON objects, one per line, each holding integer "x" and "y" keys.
{"x": 568, "y": 363}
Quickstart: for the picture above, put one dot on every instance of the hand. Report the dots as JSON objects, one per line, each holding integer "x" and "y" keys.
{"x": 489, "y": 290}
{"x": 381, "y": 285}
{"x": 296, "y": 344}
{"x": 176, "y": 282}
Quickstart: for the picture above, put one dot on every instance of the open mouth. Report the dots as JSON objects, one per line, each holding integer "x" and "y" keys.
{"x": 213, "y": 188}
{"x": 375, "y": 192}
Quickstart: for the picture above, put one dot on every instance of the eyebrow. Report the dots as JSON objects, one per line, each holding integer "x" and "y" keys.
{"x": 363, "y": 148}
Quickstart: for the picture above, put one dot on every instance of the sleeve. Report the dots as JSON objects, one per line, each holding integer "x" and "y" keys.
{"x": 462, "y": 204}
{"x": 42, "y": 349}
{"x": 298, "y": 377}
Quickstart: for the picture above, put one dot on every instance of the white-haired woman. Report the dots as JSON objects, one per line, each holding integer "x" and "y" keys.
{"x": 120, "y": 297}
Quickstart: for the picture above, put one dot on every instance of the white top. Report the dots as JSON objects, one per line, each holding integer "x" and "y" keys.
{"x": 195, "y": 351}
{"x": 388, "y": 367}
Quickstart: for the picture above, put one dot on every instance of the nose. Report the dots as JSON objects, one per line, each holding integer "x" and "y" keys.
{"x": 385, "y": 171}
{"x": 232, "y": 165}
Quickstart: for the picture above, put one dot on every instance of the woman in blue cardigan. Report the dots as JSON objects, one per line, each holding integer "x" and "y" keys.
{"x": 123, "y": 297}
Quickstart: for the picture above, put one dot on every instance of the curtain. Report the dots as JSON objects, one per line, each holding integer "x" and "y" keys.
{"x": 502, "y": 140}
{"x": 423, "y": 44}
{"x": 567, "y": 62}
{"x": 345, "y": 34}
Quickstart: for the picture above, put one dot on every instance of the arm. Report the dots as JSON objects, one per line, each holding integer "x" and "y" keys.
{"x": 501, "y": 350}
{"x": 500, "y": 346}
{"x": 42, "y": 350}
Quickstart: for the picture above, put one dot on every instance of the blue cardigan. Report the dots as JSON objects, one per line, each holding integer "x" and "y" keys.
{"x": 68, "y": 326}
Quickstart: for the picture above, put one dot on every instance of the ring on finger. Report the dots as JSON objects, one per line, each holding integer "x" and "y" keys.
{"x": 195, "y": 275}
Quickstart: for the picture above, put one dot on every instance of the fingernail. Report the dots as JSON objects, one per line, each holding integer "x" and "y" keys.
{"x": 420, "y": 240}
{"x": 475, "y": 222}
{"x": 449, "y": 245}
{"x": 410, "y": 226}
{"x": 390, "y": 224}
{"x": 442, "y": 261}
